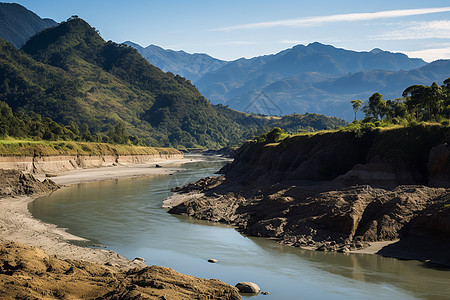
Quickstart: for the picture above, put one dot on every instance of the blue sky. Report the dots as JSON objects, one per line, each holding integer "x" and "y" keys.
{"x": 233, "y": 29}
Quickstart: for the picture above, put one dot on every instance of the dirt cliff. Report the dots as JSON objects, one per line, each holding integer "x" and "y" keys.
{"x": 381, "y": 157}
{"x": 61, "y": 163}
{"x": 334, "y": 191}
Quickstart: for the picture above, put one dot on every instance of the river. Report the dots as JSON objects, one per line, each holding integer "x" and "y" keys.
{"x": 126, "y": 216}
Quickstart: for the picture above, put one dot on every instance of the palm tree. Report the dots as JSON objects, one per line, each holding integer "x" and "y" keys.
{"x": 356, "y": 104}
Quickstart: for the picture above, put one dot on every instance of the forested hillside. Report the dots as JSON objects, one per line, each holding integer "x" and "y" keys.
{"x": 70, "y": 74}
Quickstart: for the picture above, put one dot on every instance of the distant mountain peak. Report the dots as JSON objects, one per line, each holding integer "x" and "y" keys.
{"x": 317, "y": 44}
{"x": 377, "y": 50}
{"x": 191, "y": 66}
{"x": 18, "y": 24}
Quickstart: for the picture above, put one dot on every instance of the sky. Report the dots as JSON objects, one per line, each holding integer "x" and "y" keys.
{"x": 247, "y": 28}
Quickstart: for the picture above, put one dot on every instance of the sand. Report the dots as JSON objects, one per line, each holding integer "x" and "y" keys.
{"x": 374, "y": 247}
{"x": 18, "y": 225}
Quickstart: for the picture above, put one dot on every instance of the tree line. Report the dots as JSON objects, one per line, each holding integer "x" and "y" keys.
{"x": 418, "y": 103}
{"x": 20, "y": 124}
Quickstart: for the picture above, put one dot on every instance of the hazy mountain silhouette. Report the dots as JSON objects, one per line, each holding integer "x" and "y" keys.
{"x": 191, "y": 66}
{"x": 314, "y": 78}
{"x": 18, "y": 24}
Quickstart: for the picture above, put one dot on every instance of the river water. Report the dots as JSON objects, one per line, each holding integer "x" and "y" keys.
{"x": 126, "y": 216}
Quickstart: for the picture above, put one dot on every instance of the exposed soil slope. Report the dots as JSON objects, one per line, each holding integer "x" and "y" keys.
{"x": 15, "y": 183}
{"x": 27, "y": 273}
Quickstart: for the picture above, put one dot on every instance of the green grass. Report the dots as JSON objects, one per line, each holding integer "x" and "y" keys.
{"x": 19, "y": 147}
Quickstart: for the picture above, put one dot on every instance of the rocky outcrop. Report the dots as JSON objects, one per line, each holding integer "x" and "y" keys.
{"x": 323, "y": 216}
{"x": 56, "y": 164}
{"x": 29, "y": 273}
{"x": 16, "y": 183}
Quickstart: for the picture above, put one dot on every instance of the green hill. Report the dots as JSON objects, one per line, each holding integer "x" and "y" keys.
{"x": 70, "y": 74}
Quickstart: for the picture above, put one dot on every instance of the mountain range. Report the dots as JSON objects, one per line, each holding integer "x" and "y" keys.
{"x": 70, "y": 74}
{"x": 191, "y": 66}
{"x": 18, "y": 24}
{"x": 314, "y": 78}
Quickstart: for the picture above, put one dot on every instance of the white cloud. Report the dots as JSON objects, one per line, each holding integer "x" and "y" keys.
{"x": 292, "y": 42}
{"x": 311, "y": 21}
{"x": 430, "y": 55}
{"x": 236, "y": 43}
{"x": 418, "y": 30}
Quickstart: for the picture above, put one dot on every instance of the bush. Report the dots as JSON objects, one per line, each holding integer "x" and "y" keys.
{"x": 273, "y": 136}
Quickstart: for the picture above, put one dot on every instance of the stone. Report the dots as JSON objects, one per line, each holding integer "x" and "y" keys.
{"x": 322, "y": 248}
{"x": 158, "y": 166}
{"x": 212, "y": 260}
{"x": 265, "y": 293}
{"x": 344, "y": 250}
{"x": 139, "y": 259}
{"x": 248, "y": 287}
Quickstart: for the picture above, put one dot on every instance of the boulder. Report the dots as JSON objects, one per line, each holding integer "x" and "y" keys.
{"x": 248, "y": 287}
{"x": 139, "y": 259}
{"x": 212, "y": 260}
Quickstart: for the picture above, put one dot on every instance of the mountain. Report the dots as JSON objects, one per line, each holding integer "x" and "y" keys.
{"x": 190, "y": 66}
{"x": 18, "y": 24}
{"x": 293, "y": 78}
{"x": 70, "y": 74}
{"x": 331, "y": 96}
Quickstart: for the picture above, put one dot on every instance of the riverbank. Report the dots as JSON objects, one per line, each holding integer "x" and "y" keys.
{"x": 327, "y": 216}
{"x": 18, "y": 225}
{"x": 336, "y": 191}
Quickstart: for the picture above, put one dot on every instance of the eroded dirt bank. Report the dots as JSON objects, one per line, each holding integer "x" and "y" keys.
{"x": 29, "y": 273}
{"x": 62, "y": 163}
{"x": 336, "y": 192}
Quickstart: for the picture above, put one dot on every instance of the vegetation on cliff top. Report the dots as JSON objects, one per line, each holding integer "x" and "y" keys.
{"x": 418, "y": 103}
{"x": 16, "y": 147}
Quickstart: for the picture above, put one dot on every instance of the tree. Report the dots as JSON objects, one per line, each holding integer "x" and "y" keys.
{"x": 356, "y": 104}
{"x": 447, "y": 83}
{"x": 396, "y": 109}
{"x": 85, "y": 133}
{"x": 420, "y": 97}
{"x": 376, "y": 106}
{"x": 117, "y": 134}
